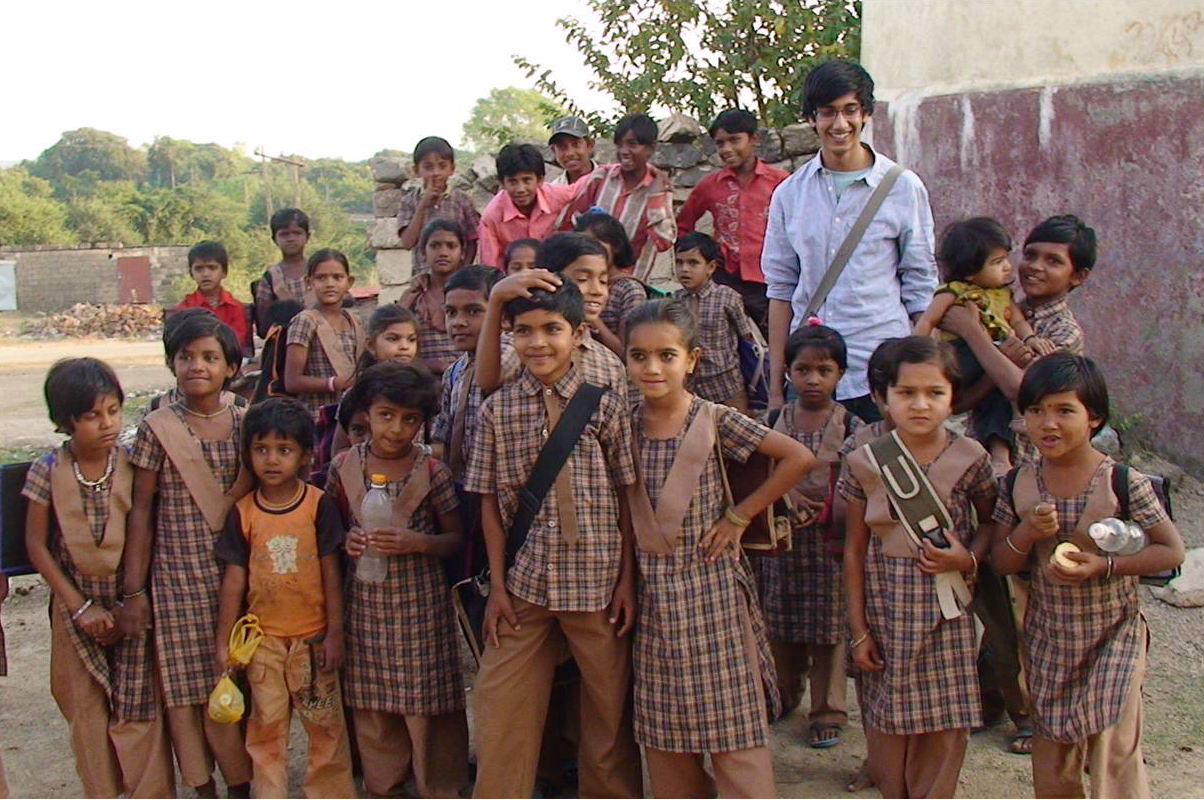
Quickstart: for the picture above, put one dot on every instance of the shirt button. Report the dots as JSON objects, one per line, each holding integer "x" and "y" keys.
{"x": 551, "y": 568}
{"x": 552, "y": 525}
{"x": 548, "y": 391}
{"x": 544, "y": 433}
{"x": 838, "y": 219}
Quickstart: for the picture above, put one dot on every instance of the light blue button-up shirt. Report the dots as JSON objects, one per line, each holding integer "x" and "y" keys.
{"x": 890, "y": 276}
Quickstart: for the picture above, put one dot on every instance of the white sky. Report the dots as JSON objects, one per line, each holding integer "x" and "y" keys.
{"x": 343, "y": 78}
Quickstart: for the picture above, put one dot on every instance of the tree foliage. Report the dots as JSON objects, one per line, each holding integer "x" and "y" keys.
{"x": 29, "y": 212}
{"x": 701, "y": 56}
{"x": 507, "y": 114}
{"x": 99, "y": 155}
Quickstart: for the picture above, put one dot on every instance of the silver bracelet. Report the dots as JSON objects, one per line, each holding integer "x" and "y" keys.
{"x": 974, "y": 558}
{"x": 87, "y": 604}
{"x": 1008, "y": 541}
{"x": 853, "y": 644}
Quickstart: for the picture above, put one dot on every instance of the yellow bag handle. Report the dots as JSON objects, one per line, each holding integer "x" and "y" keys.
{"x": 245, "y": 636}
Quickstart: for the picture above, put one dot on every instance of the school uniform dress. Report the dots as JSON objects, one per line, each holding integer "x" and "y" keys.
{"x": 1085, "y": 645}
{"x": 402, "y": 676}
{"x": 624, "y": 294}
{"x": 802, "y": 590}
{"x": 722, "y": 323}
{"x": 918, "y": 711}
{"x": 276, "y": 285}
{"x": 561, "y": 581}
{"x": 434, "y": 343}
{"x": 303, "y": 330}
{"x": 454, "y": 205}
{"x": 703, "y": 668}
{"x": 106, "y": 694}
{"x": 185, "y": 580}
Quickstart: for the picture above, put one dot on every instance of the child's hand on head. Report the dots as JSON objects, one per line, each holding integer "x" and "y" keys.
{"x": 521, "y": 283}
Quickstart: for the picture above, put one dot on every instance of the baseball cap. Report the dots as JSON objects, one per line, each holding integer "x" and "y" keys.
{"x": 572, "y": 125}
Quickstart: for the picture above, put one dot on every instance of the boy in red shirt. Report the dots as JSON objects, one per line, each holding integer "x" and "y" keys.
{"x": 209, "y": 264}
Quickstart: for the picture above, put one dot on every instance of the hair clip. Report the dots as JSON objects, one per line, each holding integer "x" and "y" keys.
{"x": 814, "y": 320}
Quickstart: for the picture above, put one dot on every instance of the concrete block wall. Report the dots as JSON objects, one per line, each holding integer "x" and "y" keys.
{"x": 54, "y": 278}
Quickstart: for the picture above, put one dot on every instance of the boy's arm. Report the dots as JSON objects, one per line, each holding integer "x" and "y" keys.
{"x": 693, "y": 208}
{"x": 1020, "y": 324}
{"x": 332, "y": 649}
{"x": 781, "y": 314}
{"x": 412, "y": 230}
{"x": 969, "y": 398}
{"x": 229, "y": 609}
{"x": 487, "y": 237}
{"x": 498, "y": 606}
{"x": 964, "y": 322}
{"x": 135, "y": 614}
{"x": 662, "y": 232}
{"x": 931, "y": 317}
{"x": 608, "y": 337}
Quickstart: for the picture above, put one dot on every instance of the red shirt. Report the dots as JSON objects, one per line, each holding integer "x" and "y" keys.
{"x": 228, "y": 310}
{"x": 740, "y": 214}
{"x": 502, "y": 222}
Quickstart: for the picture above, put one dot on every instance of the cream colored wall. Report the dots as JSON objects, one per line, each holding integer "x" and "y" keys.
{"x": 934, "y": 47}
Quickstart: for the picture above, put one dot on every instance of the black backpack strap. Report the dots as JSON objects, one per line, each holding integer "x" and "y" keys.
{"x": 552, "y": 456}
{"x": 154, "y": 403}
{"x": 1120, "y": 488}
{"x": 1009, "y": 482}
{"x": 772, "y": 418}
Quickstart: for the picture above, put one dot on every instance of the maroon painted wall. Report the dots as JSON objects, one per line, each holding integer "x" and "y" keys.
{"x": 1128, "y": 158}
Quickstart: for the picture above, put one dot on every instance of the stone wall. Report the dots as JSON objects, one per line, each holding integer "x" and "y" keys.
{"x": 53, "y": 278}
{"x": 685, "y": 151}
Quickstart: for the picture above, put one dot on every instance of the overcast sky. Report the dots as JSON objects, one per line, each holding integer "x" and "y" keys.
{"x": 343, "y": 78}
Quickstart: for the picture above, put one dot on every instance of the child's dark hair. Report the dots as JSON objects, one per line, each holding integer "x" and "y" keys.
{"x": 922, "y": 350}
{"x": 176, "y": 318}
{"x": 515, "y": 158}
{"x": 818, "y": 337}
{"x": 288, "y": 216}
{"x": 474, "y": 278}
{"x": 514, "y": 247}
{"x": 1065, "y": 372}
{"x": 565, "y": 301}
{"x": 834, "y": 79}
{"x": 667, "y": 310}
{"x": 436, "y": 145}
{"x": 877, "y": 368}
{"x": 707, "y": 247}
{"x": 198, "y": 326}
{"x": 561, "y": 249}
{"x": 345, "y": 412}
{"x": 966, "y": 245}
{"x": 440, "y": 224}
{"x": 381, "y": 320}
{"x": 1070, "y": 230}
{"x": 641, "y": 126}
{"x": 209, "y": 250}
{"x": 605, "y": 228}
{"x": 281, "y": 312}
{"x": 283, "y": 416}
{"x": 73, "y": 385}
{"x": 405, "y": 385}
{"x": 734, "y": 120}
{"x": 324, "y": 255}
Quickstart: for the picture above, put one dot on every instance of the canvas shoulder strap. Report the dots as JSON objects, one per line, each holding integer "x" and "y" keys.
{"x": 351, "y": 477}
{"x": 552, "y": 456}
{"x": 344, "y": 367}
{"x": 189, "y": 460}
{"x": 99, "y": 560}
{"x": 841, "y": 259}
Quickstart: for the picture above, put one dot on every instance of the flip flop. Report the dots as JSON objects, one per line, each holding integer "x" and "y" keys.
{"x": 825, "y": 735}
{"x": 1017, "y": 745}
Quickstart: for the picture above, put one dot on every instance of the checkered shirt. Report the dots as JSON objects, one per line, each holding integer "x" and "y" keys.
{"x": 695, "y": 690}
{"x": 124, "y": 669}
{"x": 513, "y": 427}
{"x": 1082, "y": 642}
{"x": 624, "y": 294}
{"x": 1054, "y": 321}
{"x": 304, "y": 331}
{"x": 185, "y": 574}
{"x": 931, "y": 680}
{"x": 722, "y": 323}
{"x": 453, "y": 389}
{"x": 267, "y": 292}
{"x": 402, "y": 646}
{"x": 454, "y": 205}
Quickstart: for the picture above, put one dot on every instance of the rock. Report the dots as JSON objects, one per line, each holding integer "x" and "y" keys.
{"x": 680, "y": 195}
{"x": 387, "y": 202}
{"x": 461, "y": 182}
{"x": 679, "y": 128}
{"x": 798, "y": 161}
{"x": 390, "y": 169}
{"x": 1108, "y": 441}
{"x": 393, "y": 268}
{"x": 485, "y": 169}
{"x": 786, "y": 165}
{"x": 604, "y": 152}
{"x": 799, "y": 139}
{"x": 689, "y": 178}
{"x": 542, "y": 146}
{"x": 708, "y": 145}
{"x": 109, "y": 321}
{"x": 676, "y": 156}
{"x": 714, "y": 160}
{"x": 770, "y": 147}
{"x": 390, "y": 294}
{"x": 480, "y": 197}
{"x": 1186, "y": 591}
{"x": 382, "y": 234}
{"x": 552, "y": 171}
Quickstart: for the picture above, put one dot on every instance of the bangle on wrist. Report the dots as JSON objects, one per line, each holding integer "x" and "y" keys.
{"x": 80, "y": 612}
{"x": 854, "y": 642}
{"x": 1111, "y": 566}
{"x": 974, "y": 558}
{"x": 133, "y": 594}
{"x": 330, "y": 384}
{"x": 733, "y": 516}
{"x": 1008, "y": 541}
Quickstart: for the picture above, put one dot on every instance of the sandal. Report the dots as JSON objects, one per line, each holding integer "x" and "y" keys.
{"x": 1022, "y": 741}
{"x": 825, "y": 735}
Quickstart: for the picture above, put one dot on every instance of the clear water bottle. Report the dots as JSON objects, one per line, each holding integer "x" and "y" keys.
{"x": 376, "y": 511}
{"x": 1119, "y": 537}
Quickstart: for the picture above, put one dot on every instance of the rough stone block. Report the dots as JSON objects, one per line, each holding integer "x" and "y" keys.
{"x": 689, "y": 178}
{"x": 552, "y": 171}
{"x": 461, "y": 182}
{"x": 484, "y": 167}
{"x": 382, "y": 234}
{"x": 393, "y": 267}
{"x": 604, "y": 151}
{"x": 676, "y": 156}
{"x": 707, "y": 144}
{"x": 798, "y": 161}
{"x": 680, "y": 195}
{"x": 480, "y": 197}
{"x": 390, "y": 294}
{"x": 386, "y": 202}
{"x": 542, "y": 146}
{"x": 1186, "y": 591}
{"x": 390, "y": 169}
{"x": 785, "y": 165}
{"x": 679, "y": 128}
{"x": 799, "y": 139}
{"x": 770, "y": 147}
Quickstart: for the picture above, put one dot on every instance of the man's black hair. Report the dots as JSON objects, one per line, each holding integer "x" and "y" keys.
{"x": 1064, "y": 372}
{"x": 641, "y": 125}
{"x": 565, "y": 301}
{"x": 73, "y": 385}
{"x": 474, "y": 278}
{"x": 288, "y": 216}
{"x": 734, "y": 120}
{"x": 605, "y": 228}
{"x": 405, "y": 385}
{"x": 817, "y": 337}
{"x": 966, "y": 244}
{"x": 436, "y": 145}
{"x": 209, "y": 250}
{"x": 1070, "y": 230}
{"x": 563, "y": 248}
{"x": 515, "y": 158}
{"x": 834, "y": 79}
{"x": 198, "y": 327}
{"x": 283, "y": 416}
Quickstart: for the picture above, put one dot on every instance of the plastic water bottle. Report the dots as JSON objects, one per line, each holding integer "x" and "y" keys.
{"x": 1117, "y": 536}
{"x": 376, "y": 511}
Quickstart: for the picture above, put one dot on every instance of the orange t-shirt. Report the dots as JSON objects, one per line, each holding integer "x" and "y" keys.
{"x": 282, "y": 551}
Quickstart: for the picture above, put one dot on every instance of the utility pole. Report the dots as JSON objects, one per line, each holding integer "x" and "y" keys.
{"x": 267, "y": 184}
{"x": 297, "y": 167}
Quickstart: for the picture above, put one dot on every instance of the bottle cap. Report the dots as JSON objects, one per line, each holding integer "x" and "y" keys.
{"x": 379, "y": 478}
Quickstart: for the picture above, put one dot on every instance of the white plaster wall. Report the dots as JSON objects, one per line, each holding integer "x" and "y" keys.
{"x": 936, "y": 47}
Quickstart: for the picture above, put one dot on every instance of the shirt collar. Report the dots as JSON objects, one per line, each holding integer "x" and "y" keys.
{"x": 224, "y": 298}
{"x": 566, "y": 387}
{"x": 760, "y": 170}
{"x": 877, "y": 170}
{"x": 707, "y": 289}
{"x": 510, "y": 211}
{"x": 1047, "y": 310}
{"x": 650, "y": 173}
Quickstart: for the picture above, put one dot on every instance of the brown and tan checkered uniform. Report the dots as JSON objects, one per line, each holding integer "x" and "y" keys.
{"x": 722, "y": 323}
{"x": 802, "y": 590}
{"x": 185, "y": 574}
{"x": 1054, "y": 321}
{"x": 402, "y": 647}
{"x": 452, "y": 395}
{"x": 304, "y": 331}
{"x": 454, "y": 205}
{"x": 693, "y": 691}
{"x": 1082, "y": 642}
{"x": 512, "y": 428}
{"x": 623, "y": 295}
{"x": 931, "y": 680}
{"x": 434, "y": 342}
{"x": 124, "y": 670}
{"x": 267, "y": 291}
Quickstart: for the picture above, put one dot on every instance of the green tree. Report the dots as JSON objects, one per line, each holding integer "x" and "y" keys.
{"x": 700, "y": 56}
{"x": 99, "y": 155}
{"x": 29, "y": 213}
{"x": 507, "y": 114}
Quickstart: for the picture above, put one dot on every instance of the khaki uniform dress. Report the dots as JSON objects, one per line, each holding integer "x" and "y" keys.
{"x": 310, "y": 329}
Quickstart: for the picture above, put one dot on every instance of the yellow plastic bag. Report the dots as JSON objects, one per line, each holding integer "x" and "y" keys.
{"x": 226, "y": 703}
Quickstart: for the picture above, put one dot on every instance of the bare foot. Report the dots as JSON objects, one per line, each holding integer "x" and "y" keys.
{"x": 861, "y": 781}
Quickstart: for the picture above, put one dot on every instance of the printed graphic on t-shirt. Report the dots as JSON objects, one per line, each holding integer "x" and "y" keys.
{"x": 283, "y": 550}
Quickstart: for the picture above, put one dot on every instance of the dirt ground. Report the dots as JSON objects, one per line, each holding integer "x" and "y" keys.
{"x": 33, "y": 736}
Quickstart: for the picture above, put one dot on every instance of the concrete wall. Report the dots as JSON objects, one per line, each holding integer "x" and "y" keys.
{"x": 1119, "y": 147}
{"x": 53, "y": 278}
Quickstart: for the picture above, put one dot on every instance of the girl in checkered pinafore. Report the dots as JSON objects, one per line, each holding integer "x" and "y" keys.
{"x": 1085, "y": 638}
{"x": 188, "y": 473}
{"x": 402, "y": 678}
{"x": 443, "y": 242}
{"x": 79, "y": 496}
{"x": 801, "y": 590}
{"x": 919, "y": 682}
{"x": 703, "y": 671}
